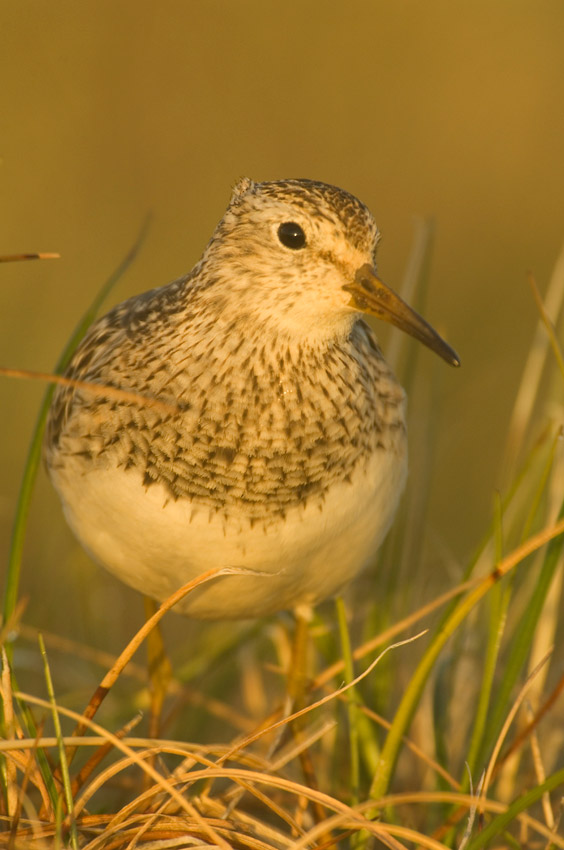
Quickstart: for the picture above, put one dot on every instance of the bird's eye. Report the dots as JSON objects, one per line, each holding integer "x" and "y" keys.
{"x": 291, "y": 235}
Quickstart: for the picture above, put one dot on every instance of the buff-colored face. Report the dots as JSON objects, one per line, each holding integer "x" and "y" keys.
{"x": 310, "y": 249}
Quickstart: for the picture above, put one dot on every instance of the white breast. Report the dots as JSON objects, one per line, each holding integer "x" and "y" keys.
{"x": 156, "y": 544}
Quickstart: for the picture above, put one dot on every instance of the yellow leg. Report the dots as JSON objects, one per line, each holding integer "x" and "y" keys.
{"x": 160, "y": 670}
{"x": 297, "y": 675}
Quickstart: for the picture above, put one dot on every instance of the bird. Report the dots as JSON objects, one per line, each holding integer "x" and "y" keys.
{"x": 251, "y": 420}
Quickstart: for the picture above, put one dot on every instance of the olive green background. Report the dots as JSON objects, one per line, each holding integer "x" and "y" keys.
{"x": 113, "y": 108}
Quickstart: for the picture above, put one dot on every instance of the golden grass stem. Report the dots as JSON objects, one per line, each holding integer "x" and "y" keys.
{"x": 508, "y": 721}
{"x": 8, "y": 766}
{"x": 99, "y": 390}
{"x": 15, "y": 258}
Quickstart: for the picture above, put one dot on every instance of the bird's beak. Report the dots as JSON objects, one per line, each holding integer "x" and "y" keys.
{"x": 370, "y": 295}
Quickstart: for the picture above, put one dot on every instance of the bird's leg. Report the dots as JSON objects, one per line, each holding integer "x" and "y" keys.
{"x": 297, "y": 681}
{"x": 160, "y": 669}
{"x": 297, "y": 674}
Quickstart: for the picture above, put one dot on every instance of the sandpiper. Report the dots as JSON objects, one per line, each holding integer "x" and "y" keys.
{"x": 284, "y": 447}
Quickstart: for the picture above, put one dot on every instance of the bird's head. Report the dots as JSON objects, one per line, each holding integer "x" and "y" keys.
{"x": 302, "y": 254}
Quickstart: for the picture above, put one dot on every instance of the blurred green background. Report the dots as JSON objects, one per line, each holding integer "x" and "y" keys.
{"x": 113, "y": 109}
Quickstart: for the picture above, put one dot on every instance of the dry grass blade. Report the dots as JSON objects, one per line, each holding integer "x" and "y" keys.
{"x": 160, "y": 780}
{"x": 308, "y": 739}
{"x": 111, "y": 677}
{"x": 249, "y": 739}
{"x": 530, "y": 382}
{"x": 100, "y": 390}
{"x": 384, "y": 832}
{"x": 534, "y": 722}
{"x": 515, "y": 707}
{"x": 22, "y": 797}
{"x": 15, "y": 258}
{"x": 269, "y": 804}
{"x": 467, "y": 801}
{"x": 473, "y": 808}
{"x": 23, "y": 753}
{"x": 547, "y": 323}
{"x": 144, "y": 799}
{"x": 278, "y": 782}
{"x": 266, "y": 830}
{"x": 106, "y": 747}
{"x": 246, "y": 778}
{"x": 540, "y": 772}
{"x": 9, "y": 733}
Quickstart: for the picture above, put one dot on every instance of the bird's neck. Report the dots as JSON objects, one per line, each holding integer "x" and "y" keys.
{"x": 293, "y": 317}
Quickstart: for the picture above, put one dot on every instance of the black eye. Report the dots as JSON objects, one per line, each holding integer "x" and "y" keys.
{"x": 291, "y": 235}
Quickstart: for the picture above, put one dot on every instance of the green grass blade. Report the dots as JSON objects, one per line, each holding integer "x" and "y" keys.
{"x": 22, "y": 511}
{"x": 506, "y": 502}
{"x": 67, "y": 790}
{"x": 414, "y": 690}
{"x": 499, "y": 603}
{"x": 498, "y": 615}
{"x": 536, "y": 500}
{"x": 34, "y": 455}
{"x": 521, "y": 645}
{"x": 499, "y": 824}
{"x": 27, "y": 722}
{"x": 59, "y": 818}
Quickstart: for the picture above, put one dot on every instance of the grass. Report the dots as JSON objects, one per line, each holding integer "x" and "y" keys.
{"x": 435, "y": 727}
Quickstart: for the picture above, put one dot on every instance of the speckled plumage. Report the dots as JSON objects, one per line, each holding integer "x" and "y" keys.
{"x": 287, "y": 453}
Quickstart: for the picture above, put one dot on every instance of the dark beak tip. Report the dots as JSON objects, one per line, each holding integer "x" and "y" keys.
{"x": 453, "y": 359}
{"x": 447, "y": 353}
